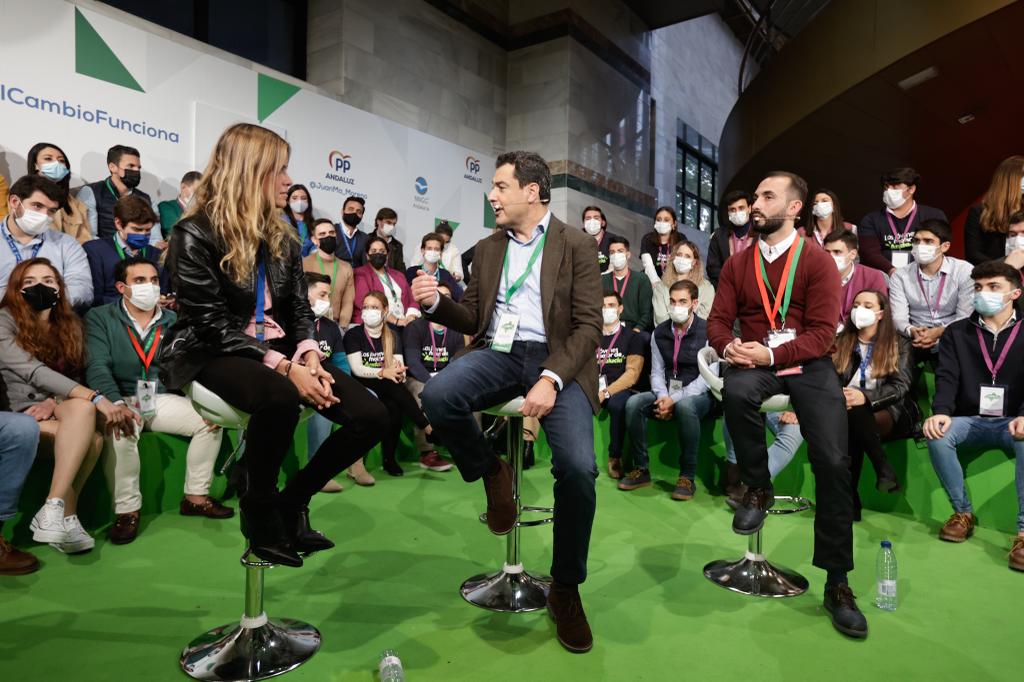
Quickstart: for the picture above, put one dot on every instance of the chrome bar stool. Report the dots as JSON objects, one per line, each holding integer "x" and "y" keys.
{"x": 512, "y": 589}
{"x": 256, "y": 647}
{"x": 753, "y": 574}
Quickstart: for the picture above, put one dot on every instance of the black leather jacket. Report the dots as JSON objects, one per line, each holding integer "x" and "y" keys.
{"x": 213, "y": 311}
{"x": 891, "y": 392}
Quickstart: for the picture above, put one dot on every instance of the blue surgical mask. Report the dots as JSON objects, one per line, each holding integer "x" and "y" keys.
{"x": 988, "y": 303}
{"x": 136, "y": 241}
{"x": 55, "y": 170}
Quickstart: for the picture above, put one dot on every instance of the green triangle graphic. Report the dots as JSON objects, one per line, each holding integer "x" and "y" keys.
{"x": 271, "y": 94}
{"x": 490, "y": 220}
{"x": 94, "y": 58}
{"x": 451, "y": 223}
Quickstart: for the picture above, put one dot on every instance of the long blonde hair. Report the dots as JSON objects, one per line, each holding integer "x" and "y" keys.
{"x": 1003, "y": 196}
{"x": 237, "y": 195}
{"x": 696, "y": 273}
{"x": 386, "y": 336}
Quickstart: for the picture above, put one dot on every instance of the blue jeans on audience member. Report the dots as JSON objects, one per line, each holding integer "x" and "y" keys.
{"x": 687, "y": 415}
{"x": 781, "y": 452}
{"x": 19, "y": 438}
{"x": 616, "y": 406}
{"x": 318, "y": 428}
{"x": 975, "y": 433}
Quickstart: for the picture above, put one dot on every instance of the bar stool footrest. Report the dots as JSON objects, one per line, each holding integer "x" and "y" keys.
{"x": 232, "y": 652}
{"x": 508, "y": 592}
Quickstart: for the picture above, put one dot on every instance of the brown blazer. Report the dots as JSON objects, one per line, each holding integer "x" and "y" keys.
{"x": 571, "y": 296}
{"x": 343, "y": 291}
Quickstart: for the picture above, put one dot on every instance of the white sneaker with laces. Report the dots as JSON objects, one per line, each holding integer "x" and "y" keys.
{"x": 48, "y": 523}
{"x": 77, "y": 539}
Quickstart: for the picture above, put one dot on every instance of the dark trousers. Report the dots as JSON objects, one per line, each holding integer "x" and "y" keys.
{"x": 817, "y": 399}
{"x": 485, "y": 378}
{"x": 866, "y": 431}
{"x": 616, "y": 406}
{"x": 274, "y": 405}
{"x": 399, "y": 403}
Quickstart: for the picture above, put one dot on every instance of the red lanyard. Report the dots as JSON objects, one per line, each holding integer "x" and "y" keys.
{"x": 434, "y": 352}
{"x": 934, "y": 310}
{"x": 151, "y": 346}
{"x": 786, "y": 279}
{"x": 677, "y": 341}
{"x": 1002, "y": 356}
{"x": 608, "y": 351}
{"x": 625, "y": 283}
{"x": 892, "y": 225}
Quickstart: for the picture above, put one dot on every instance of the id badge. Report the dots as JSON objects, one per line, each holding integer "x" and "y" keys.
{"x": 145, "y": 391}
{"x": 602, "y": 384}
{"x": 991, "y": 400}
{"x": 675, "y": 385}
{"x": 900, "y": 259}
{"x": 505, "y": 334}
{"x": 777, "y": 337}
{"x": 433, "y": 374}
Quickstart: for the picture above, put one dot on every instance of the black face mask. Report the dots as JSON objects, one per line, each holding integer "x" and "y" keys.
{"x": 328, "y": 244}
{"x": 131, "y": 178}
{"x": 351, "y": 219}
{"x": 377, "y": 260}
{"x": 40, "y": 296}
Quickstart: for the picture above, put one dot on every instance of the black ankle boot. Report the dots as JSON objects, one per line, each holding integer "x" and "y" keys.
{"x": 528, "y": 458}
{"x": 263, "y": 527}
{"x": 886, "y": 482}
{"x": 392, "y": 467}
{"x": 301, "y": 537}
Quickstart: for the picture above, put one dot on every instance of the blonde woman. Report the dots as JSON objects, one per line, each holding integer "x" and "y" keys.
{"x": 988, "y": 222}
{"x": 685, "y": 263}
{"x": 245, "y": 331}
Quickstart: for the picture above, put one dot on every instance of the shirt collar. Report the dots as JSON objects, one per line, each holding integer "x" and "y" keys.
{"x": 773, "y": 252}
{"x": 846, "y": 280}
{"x": 142, "y": 330}
{"x": 7, "y": 233}
{"x": 945, "y": 269}
{"x": 913, "y": 205}
{"x": 543, "y": 225}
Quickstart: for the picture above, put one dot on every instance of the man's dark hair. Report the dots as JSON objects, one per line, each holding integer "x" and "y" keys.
{"x": 845, "y": 236}
{"x": 997, "y": 268}
{"x": 386, "y": 214}
{"x": 27, "y": 185}
{"x": 317, "y": 278}
{"x": 898, "y": 176}
{"x": 690, "y": 287}
{"x": 320, "y": 221}
{"x": 734, "y": 196}
{"x": 613, "y": 293}
{"x": 1017, "y": 218}
{"x": 529, "y": 167}
{"x": 115, "y": 153}
{"x": 134, "y": 209}
{"x": 594, "y": 208}
{"x": 374, "y": 238}
{"x": 940, "y": 228}
{"x": 431, "y": 237}
{"x": 445, "y": 228}
{"x": 190, "y": 177}
{"x": 121, "y": 267}
{"x": 618, "y": 240}
{"x": 797, "y": 185}
{"x": 359, "y": 200}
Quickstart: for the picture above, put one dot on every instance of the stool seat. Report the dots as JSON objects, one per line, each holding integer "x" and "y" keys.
{"x": 509, "y": 409}
{"x": 215, "y": 409}
{"x": 709, "y": 365}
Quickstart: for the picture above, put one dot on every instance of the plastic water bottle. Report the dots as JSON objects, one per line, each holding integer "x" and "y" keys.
{"x": 391, "y": 667}
{"x": 885, "y": 577}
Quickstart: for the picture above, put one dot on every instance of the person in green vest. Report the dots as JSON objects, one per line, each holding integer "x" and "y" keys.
{"x": 170, "y": 211}
{"x": 632, "y": 287}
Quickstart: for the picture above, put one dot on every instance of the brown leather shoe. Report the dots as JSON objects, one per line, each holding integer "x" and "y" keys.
{"x": 125, "y": 528}
{"x": 566, "y": 608}
{"x": 959, "y": 527}
{"x": 501, "y": 507}
{"x": 15, "y": 562}
{"x": 1017, "y": 553}
{"x": 211, "y": 509}
{"x": 615, "y": 468}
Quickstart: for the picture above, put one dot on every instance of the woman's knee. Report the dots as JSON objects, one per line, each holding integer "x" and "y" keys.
{"x": 75, "y": 408}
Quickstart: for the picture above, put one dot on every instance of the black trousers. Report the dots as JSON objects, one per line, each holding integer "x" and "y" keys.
{"x": 866, "y": 430}
{"x": 274, "y": 403}
{"x": 817, "y": 399}
{"x": 399, "y": 403}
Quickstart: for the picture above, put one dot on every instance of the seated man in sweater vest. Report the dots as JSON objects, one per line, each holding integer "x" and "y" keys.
{"x": 678, "y": 391}
{"x": 979, "y": 396}
{"x": 125, "y": 166}
{"x": 634, "y": 291}
{"x": 855, "y": 277}
{"x": 133, "y": 221}
{"x": 620, "y": 360}
{"x": 122, "y": 342}
{"x": 785, "y": 296}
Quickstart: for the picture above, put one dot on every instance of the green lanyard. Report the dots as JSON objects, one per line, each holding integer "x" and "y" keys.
{"x": 334, "y": 277}
{"x": 142, "y": 251}
{"x": 789, "y": 281}
{"x": 385, "y": 279}
{"x": 510, "y": 290}
{"x": 111, "y": 188}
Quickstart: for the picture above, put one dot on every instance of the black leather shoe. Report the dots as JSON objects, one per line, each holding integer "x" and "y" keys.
{"x": 301, "y": 537}
{"x": 749, "y": 516}
{"x": 392, "y": 467}
{"x": 262, "y": 526}
{"x": 887, "y": 481}
{"x": 846, "y": 617}
{"x": 528, "y": 459}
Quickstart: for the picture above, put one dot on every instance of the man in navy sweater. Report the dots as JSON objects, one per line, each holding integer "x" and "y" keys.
{"x": 133, "y": 222}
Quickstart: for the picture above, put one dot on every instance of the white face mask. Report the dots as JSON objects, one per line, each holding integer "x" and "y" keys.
{"x": 592, "y": 226}
{"x": 610, "y": 315}
{"x": 321, "y": 307}
{"x": 682, "y": 264}
{"x": 662, "y": 227}
{"x": 618, "y": 260}
{"x": 822, "y": 209}
{"x": 387, "y": 229}
{"x": 925, "y": 253}
{"x": 862, "y": 317}
{"x": 679, "y": 313}
{"x": 893, "y": 198}
{"x": 431, "y": 256}
{"x": 33, "y": 223}
{"x": 144, "y": 296}
{"x": 1014, "y": 244}
{"x": 298, "y": 206}
{"x": 739, "y": 218}
{"x": 840, "y": 262}
{"x": 372, "y": 317}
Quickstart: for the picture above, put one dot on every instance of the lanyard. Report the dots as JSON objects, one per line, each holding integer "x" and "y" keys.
{"x": 369, "y": 339}
{"x": 934, "y": 310}
{"x": 608, "y": 351}
{"x": 323, "y": 271}
{"x": 1002, "y": 356}
{"x": 261, "y": 299}
{"x": 385, "y": 279}
{"x": 349, "y": 242}
{"x": 120, "y": 250}
{"x": 511, "y": 289}
{"x": 147, "y": 354}
{"x": 864, "y": 363}
{"x": 677, "y": 341}
{"x": 17, "y": 253}
{"x": 788, "y": 275}
{"x": 900, "y": 238}
{"x": 112, "y": 190}
{"x": 625, "y": 283}
{"x": 434, "y": 352}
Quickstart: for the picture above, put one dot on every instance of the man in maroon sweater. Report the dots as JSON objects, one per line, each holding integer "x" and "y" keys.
{"x": 786, "y": 297}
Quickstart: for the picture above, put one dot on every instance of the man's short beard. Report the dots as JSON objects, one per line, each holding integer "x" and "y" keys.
{"x": 769, "y": 226}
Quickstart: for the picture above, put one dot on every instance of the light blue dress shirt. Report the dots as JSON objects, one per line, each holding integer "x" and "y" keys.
{"x": 61, "y": 249}
{"x": 527, "y": 301}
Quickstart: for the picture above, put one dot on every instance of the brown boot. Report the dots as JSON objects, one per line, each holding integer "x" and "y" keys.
{"x": 959, "y": 527}
{"x": 1017, "y": 553}
{"x": 125, "y": 528}
{"x": 501, "y": 506}
{"x": 732, "y": 485}
{"x": 210, "y": 508}
{"x": 15, "y": 562}
{"x": 566, "y": 608}
{"x": 615, "y": 468}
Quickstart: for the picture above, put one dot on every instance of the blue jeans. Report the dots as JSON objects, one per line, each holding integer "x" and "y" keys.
{"x": 484, "y": 378}
{"x": 781, "y": 452}
{"x": 687, "y": 414}
{"x": 974, "y": 433}
{"x": 616, "y": 406}
{"x": 318, "y": 428}
{"x": 19, "y": 438}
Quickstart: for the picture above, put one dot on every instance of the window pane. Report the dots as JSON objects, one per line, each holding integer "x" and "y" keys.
{"x": 707, "y": 148}
{"x": 705, "y": 217}
{"x": 679, "y": 203}
{"x": 691, "y": 174}
{"x": 679, "y": 167}
{"x": 690, "y": 217}
{"x": 707, "y": 183}
{"x": 692, "y": 137}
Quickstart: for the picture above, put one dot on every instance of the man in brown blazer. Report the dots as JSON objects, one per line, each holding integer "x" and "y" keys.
{"x": 325, "y": 262}
{"x": 533, "y": 309}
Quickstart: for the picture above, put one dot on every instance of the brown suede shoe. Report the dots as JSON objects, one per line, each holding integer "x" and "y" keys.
{"x": 615, "y": 468}
{"x": 566, "y": 608}
{"x": 125, "y": 528}
{"x": 959, "y": 527}
{"x": 1017, "y": 553}
{"x": 501, "y": 506}
{"x": 15, "y": 562}
{"x": 211, "y": 509}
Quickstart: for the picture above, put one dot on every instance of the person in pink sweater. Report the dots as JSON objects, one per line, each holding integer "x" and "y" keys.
{"x": 855, "y": 277}
{"x": 375, "y": 275}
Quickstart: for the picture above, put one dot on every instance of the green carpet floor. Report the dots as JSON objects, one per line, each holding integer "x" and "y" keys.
{"x": 404, "y": 546}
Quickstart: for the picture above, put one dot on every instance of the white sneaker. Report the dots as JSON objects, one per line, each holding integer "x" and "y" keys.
{"x": 48, "y": 523}
{"x": 77, "y": 539}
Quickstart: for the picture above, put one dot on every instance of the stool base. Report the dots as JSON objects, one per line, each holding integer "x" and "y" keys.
{"x": 509, "y": 592}
{"x": 233, "y": 653}
{"x": 754, "y": 575}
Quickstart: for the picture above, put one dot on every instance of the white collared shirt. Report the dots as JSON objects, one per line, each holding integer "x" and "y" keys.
{"x": 143, "y": 331}
{"x": 771, "y": 253}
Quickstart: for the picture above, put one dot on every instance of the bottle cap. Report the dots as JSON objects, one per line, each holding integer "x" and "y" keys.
{"x": 886, "y": 544}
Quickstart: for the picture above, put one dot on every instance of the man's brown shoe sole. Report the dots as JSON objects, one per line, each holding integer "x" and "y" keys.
{"x": 568, "y": 647}
{"x": 956, "y": 538}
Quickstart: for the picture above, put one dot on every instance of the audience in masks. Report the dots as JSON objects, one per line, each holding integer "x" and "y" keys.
{"x": 50, "y": 161}
{"x": 352, "y": 240}
{"x": 171, "y": 210}
{"x": 377, "y": 275}
{"x": 685, "y": 265}
{"x": 632, "y": 287}
{"x": 125, "y": 167}
{"x": 620, "y": 362}
{"x": 732, "y": 237}
{"x": 324, "y": 260}
{"x": 300, "y": 214}
{"x": 431, "y": 248}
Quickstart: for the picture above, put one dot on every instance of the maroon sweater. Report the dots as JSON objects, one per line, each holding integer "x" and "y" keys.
{"x": 813, "y": 308}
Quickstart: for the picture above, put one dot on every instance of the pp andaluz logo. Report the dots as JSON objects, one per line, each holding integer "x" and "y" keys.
{"x": 473, "y": 169}
{"x": 421, "y": 186}
{"x": 339, "y": 165}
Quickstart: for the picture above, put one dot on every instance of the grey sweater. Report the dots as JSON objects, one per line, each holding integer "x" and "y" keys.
{"x": 28, "y": 380}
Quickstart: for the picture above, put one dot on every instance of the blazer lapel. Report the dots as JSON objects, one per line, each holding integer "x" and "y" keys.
{"x": 551, "y": 262}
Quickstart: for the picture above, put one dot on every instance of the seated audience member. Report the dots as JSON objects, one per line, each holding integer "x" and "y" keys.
{"x": 620, "y": 360}
{"x": 684, "y": 266}
{"x": 931, "y": 293}
{"x": 678, "y": 391}
{"x": 42, "y": 356}
{"x": 634, "y": 292}
{"x": 825, "y": 218}
{"x": 51, "y": 162}
{"x": 32, "y": 203}
{"x": 596, "y": 225}
{"x": 300, "y": 214}
{"x": 385, "y": 225}
{"x": 429, "y": 347}
{"x": 979, "y": 396}
{"x": 731, "y": 238}
{"x": 886, "y": 234}
{"x": 431, "y": 247}
{"x": 656, "y": 246}
{"x": 125, "y": 166}
{"x": 122, "y": 341}
{"x": 873, "y": 362}
{"x": 352, "y": 240}
{"x": 329, "y": 338}
{"x": 19, "y": 438}
{"x": 170, "y": 211}
{"x": 843, "y": 246}
{"x": 1014, "y": 248}
{"x": 325, "y": 261}
{"x": 451, "y": 256}
{"x": 985, "y": 231}
{"x": 786, "y": 428}
{"x": 377, "y": 276}
{"x": 133, "y": 220}
{"x": 375, "y": 354}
